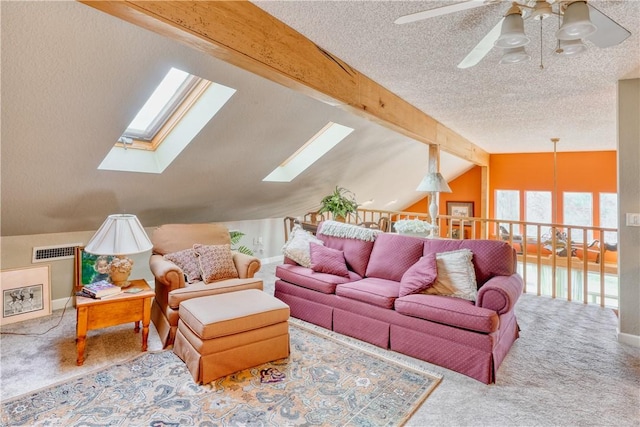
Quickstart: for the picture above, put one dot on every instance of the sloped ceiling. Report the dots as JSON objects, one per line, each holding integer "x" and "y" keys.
{"x": 73, "y": 77}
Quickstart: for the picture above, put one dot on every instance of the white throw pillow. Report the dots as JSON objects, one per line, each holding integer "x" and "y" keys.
{"x": 456, "y": 275}
{"x": 297, "y": 247}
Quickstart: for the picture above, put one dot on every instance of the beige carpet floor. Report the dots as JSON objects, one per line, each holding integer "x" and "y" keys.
{"x": 567, "y": 368}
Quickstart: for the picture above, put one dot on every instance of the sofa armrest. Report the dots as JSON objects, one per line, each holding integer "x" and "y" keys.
{"x": 247, "y": 265}
{"x": 166, "y": 273}
{"x": 500, "y": 293}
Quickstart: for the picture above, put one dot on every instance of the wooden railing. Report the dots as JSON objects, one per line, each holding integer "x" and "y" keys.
{"x": 555, "y": 260}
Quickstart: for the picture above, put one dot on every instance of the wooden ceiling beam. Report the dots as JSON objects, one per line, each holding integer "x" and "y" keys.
{"x": 244, "y": 35}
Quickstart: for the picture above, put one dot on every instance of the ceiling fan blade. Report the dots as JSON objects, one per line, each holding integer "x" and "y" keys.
{"x": 431, "y": 13}
{"x": 609, "y": 32}
{"x": 482, "y": 48}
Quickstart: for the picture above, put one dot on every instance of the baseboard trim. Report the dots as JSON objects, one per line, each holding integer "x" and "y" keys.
{"x": 632, "y": 340}
{"x": 279, "y": 258}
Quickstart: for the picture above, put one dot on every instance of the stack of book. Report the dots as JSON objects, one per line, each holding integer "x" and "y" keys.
{"x": 101, "y": 289}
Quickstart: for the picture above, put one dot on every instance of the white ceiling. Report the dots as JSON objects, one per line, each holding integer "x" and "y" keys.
{"x": 73, "y": 77}
{"x": 501, "y": 108}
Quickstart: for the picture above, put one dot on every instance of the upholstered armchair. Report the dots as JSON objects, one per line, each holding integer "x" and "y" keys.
{"x": 180, "y": 252}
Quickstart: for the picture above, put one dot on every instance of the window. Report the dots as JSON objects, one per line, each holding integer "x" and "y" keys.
{"x": 609, "y": 216}
{"x": 578, "y": 210}
{"x": 508, "y": 207}
{"x": 317, "y": 146}
{"x": 538, "y": 209}
{"x": 163, "y": 102}
{"x": 179, "y": 108}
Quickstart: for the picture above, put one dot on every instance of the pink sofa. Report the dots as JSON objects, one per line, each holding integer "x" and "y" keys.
{"x": 466, "y": 336}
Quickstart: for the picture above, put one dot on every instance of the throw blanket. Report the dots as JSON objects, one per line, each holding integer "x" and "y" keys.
{"x": 349, "y": 231}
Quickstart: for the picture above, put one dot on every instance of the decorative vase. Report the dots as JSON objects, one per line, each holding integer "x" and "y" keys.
{"x": 119, "y": 271}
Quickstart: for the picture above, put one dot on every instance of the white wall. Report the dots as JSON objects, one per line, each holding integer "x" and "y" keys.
{"x": 629, "y": 201}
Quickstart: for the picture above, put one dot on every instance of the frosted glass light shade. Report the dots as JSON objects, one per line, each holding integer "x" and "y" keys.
{"x": 434, "y": 181}
{"x": 576, "y": 23}
{"x": 119, "y": 235}
{"x": 571, "y": 47}
{"x": 512, "y": 32}
{"x": 514, "y": 55}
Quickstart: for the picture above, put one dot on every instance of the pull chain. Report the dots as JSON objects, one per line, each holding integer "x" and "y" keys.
{"x": 541, "y": 66}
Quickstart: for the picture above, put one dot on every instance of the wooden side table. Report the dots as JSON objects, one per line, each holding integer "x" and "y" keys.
{"x": 116, "y": 310}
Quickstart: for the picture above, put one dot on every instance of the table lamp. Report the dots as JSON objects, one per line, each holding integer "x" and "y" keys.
{"x": 118, "y": 236}
{"x": 434, "y": 183}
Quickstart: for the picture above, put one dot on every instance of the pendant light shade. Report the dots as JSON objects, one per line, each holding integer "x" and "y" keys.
{"x": 576, "y": 23}
{"x": 512, "y": 32}
{"x": 514, "y": 55}
{"x": 571, "y": 47}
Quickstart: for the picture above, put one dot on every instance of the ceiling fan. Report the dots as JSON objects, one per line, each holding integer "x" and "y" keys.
{"x": 581, "y": 20}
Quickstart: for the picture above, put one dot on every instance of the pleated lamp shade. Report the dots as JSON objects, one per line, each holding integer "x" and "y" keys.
{"x": 119, "y": 235}
{"x": 434, "y": 181}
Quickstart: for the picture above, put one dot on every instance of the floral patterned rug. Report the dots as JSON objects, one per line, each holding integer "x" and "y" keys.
{"x": 328, "y": 380}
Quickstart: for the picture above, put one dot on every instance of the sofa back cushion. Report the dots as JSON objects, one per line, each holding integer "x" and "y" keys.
{"x": 356, "y": 252}
{"x": 170, "y": 238}
{"x": 490, "y": 257}
{"x": 393, "y": 254}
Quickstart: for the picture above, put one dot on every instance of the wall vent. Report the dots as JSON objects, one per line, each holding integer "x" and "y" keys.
{"x": 53, "y": 253}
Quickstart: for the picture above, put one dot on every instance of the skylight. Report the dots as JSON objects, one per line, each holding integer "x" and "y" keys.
{"x": 316, "y": 147}
{"x": 169, "y": 94}
{"x": 174, "y": 114}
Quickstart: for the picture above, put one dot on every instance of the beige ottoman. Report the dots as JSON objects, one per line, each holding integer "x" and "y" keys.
{"x": 225, "y": 333}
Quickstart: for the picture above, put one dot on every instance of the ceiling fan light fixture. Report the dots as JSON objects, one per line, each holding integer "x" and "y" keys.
{"x": 512, "y": 32}
{"x": 571, "y": 47}
{"x": 514, "y": 55}
{"x": 576, "y": 23}
{"x": 541, "y": 10}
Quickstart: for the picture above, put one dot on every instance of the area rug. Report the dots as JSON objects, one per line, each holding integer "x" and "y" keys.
{"x": 328, "y": 380}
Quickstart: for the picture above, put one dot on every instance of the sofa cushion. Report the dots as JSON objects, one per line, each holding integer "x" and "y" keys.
{"x": 297, "y": 246}
{"x": 307, "y": 278}
{"x": 327, "y": 260}
{"x": 372, "y": 290}
{"x": 187, "y": 260}
{"x": 449, "y": 311}
{"x": 392, "y": 255}
{"x": 356, "y": 252}
{"x": 456, "y": 275}
{"x": 216, "y": 262}
{"x": 419, "y": 276}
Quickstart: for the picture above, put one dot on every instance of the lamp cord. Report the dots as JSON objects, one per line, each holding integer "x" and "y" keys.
{"x": 541, "y": 66}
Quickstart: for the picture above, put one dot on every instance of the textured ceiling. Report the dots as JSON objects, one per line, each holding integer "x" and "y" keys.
{"x": 73, "y": 77}
{"x": 501, "y": 108}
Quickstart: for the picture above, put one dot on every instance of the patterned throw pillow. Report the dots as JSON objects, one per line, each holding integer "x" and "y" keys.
{"x": 419, "y": 276}
{"x": 297, "y": 247}
{"x": 327, "y": 260}
{"x": 456, "y": 275}
{"x": 188, "y": 262}
{"x": 216, "y": 262}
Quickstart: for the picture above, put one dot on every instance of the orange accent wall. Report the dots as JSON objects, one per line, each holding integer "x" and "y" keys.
{"x": 589, "y": 171}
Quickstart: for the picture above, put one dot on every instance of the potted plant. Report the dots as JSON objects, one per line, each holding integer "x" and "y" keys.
{"x": 340, "y": 203}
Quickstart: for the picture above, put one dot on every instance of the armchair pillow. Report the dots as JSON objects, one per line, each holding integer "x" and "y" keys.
{"x": 297, "y": 247}
{"x": 216, "y": 262}
{"x": 188, "y": 263}
{"x": 419, "y": 276}
{"x": 456, "y": 275}
{"x": 327, "y": 260}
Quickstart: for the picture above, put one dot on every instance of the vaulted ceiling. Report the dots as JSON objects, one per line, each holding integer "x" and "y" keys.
{"x": 73, "y": 77}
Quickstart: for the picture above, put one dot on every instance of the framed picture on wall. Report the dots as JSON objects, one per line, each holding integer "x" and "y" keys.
{"x": 90, "y": 268}
{"x": 26, "y": 294}
{"x": 460, "y": 209}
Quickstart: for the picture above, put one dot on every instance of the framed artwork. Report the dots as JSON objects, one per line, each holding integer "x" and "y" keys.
{"x": 90, "y": 268}
{"x": 26, "y": 293}
{"x": 460, "y": 209}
